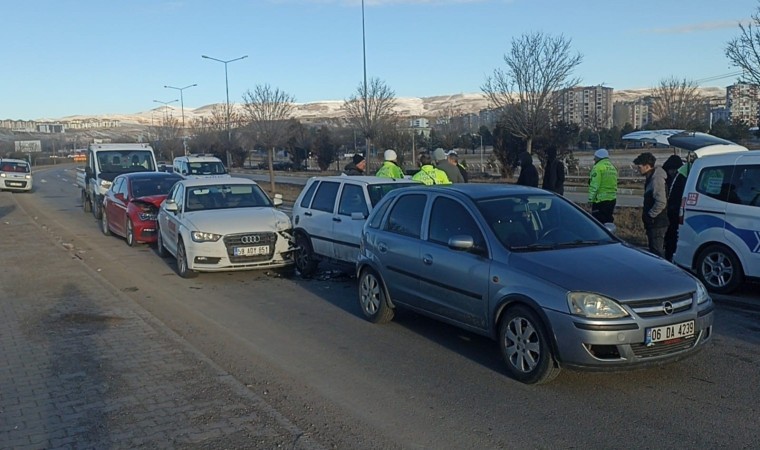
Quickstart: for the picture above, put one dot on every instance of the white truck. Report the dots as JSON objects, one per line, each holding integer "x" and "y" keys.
{"x": 105, "y": 162}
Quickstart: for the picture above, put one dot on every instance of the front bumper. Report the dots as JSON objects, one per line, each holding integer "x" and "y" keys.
{"x": 599, "y": 345}
{"x": 16, "y": 184}
{"x": 219, "y": 256}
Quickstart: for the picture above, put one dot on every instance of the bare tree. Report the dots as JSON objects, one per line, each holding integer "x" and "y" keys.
{"x": 370, "y": 108}
{"x": 744, "y": 51}
{"x": 166, "y": 139}
{"x": 268, "y": 110}
{"x": 538, "y": 66}
{"x": 678, "y": 104}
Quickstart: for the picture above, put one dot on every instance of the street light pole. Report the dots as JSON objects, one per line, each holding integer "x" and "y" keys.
{"x": 227, "y": 89}
{"x": 166, "y": 116}
{"x": 366, "y": 105}
{"x": 181, "y": 99}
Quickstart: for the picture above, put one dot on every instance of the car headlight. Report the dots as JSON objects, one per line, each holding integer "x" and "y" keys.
{"x": 145, "y": 216}
{"x": 28, "y": 177}
{"x": 2, "y": 175}
{"x": 702, "y": 295}
{"x": 105, "y": 184}
{"x": 283, "y": 224}
{"x": 594, "y": 306}
{"x": 202, "y": 236}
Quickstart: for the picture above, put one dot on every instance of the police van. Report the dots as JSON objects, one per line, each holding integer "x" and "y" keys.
{"x": 719, "y": 230}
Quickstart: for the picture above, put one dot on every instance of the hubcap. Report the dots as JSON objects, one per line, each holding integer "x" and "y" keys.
{"x": 717, "y": 269}
{"x": 522, "y": 345}
{"x": 369, "y": 294}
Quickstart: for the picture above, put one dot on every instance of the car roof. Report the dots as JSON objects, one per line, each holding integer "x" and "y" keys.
{"x": 15, "y": 160}
{"x": 195, "y": 158}
{"x": 479, "y": 191}
{"x": 365, "y": 179}
{"x": 146, "y": 175}
{"x": 726, "y": 158}
{"x": 213, "y": 181}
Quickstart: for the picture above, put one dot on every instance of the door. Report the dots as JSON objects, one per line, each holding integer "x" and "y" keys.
{"x": 117, "y": 213}
{"x": 454, "y": 283}
{"x": 318, "y": 219}
{"x": 169, "y": 221}
{"x": 742, "y": 229}
{"x": 348, "y": 220}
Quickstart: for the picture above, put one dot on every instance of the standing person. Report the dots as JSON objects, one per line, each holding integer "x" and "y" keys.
{"x": 528, "y": 172}
{"x": 554, "y": 172}
{"x": 655, "y": 212}
{"x": 454, "y": 160}
{"x": 443, "y": 163}
{"x": 390, "y": 168}
{"x": 428, "y": 174}
{"x": 602, "y": 187}
{"x": 675, "y": 182}
{"x": 357, "y": 165}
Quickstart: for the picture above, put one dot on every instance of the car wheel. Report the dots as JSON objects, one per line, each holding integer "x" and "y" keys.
{"x": 183, "y": 268}
{"x": 97, "y": 210}
{"x": 160, "y": 247}
{"x": 130, "y": 233}
{"x": 86, "y": 205}
{"x": 373, "y": 299}
{"x": 305, "y": 260}
{"x": 104, "y": 224}
{"x": 719, "y": 269}
{"x": 525, "y": 347}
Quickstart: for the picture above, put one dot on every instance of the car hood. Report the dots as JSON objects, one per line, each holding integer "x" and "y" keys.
{"x": 237, "y": 220}
{"x": 616, "y": 271}
{"x": 154, "y": 200}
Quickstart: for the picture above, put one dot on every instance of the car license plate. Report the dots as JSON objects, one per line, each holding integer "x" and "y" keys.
{"x": 668, "y": 332}
{"x": 250, "y": 251}
{"x": 15, "y": 184}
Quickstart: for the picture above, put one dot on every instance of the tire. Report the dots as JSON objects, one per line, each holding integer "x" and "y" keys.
{"x": 160, "y": 247}
{"x": 97, "y": 209}
{"x": 306, "y": 262}
{"x": 182, "y": 267}
{"x": 373, "y": 299}
{"x": 86, "y": 205}
{"x": 525, "y": 347}
{"x": 104, "y": 224}
{"x": 719, "y": 269}
{"x": 130, "y": 234}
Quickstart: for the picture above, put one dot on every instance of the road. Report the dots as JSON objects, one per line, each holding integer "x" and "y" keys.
{"x": 414, "y": 383}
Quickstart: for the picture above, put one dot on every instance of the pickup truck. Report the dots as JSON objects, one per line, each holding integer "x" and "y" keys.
{"x": 106, "y": 161}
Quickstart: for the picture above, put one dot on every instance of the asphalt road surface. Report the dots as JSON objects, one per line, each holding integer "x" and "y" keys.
{"x": 304, "y": 348}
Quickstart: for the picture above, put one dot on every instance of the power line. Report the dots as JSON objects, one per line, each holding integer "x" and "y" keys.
{"x": 719, "y": 77}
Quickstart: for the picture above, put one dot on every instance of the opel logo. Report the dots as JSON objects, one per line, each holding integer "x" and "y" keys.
{"x": 667, "y": 308}
{"x": 253, "y": 239}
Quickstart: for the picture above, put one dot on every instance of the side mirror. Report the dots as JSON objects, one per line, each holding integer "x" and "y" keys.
{"x": 171, "y": 205}
{"x": 277, "y": 199}
{"x": 120, "y": 196}
{"x": 611, "y": 227}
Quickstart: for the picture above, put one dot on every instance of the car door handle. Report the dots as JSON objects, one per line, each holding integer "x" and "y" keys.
{"x": 428, "y": 260}
{"x": 337, "y": 219}
{"x": 307, "y": 213}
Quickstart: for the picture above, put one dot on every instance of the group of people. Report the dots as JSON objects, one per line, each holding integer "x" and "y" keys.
{"x": 440, "y": 167}
{"x": 663, "y": 187}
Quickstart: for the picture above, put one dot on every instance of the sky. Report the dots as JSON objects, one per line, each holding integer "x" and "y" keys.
{"x": 95, "y": 57}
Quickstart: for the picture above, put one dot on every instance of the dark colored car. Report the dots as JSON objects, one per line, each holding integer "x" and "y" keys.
{"x": 534, "y": 272}
{"x": 131, "y": 205}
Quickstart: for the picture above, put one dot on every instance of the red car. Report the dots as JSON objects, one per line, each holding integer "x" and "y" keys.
{"x": 131, "y": 205}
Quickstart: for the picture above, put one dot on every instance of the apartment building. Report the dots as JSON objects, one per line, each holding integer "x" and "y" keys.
{"x": 743, "y": 103}
{"x": 586, "y": 106}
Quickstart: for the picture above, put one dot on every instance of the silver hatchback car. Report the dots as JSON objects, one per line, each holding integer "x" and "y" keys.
{"x": 533, "y": 271}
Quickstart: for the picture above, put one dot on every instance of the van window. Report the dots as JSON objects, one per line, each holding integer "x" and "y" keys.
{"x": 747, "y": 179}
{"x": 715, "y": 182}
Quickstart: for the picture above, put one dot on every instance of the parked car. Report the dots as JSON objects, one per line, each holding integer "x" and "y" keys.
{"x": 718, "y": 237}
{"x": 15, "y": 175}
{"x": 533, "y": 271}
{"x": 130, "y": 206}
{"x": 199, "y": 166}
{"x": 222, "y": 224}
{"x": 328, "y": 216}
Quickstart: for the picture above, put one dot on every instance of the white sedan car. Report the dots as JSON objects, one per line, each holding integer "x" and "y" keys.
{"x": 213, "y": 225}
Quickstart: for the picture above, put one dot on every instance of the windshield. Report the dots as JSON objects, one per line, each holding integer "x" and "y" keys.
{"x": 378, "y": 191}
{"x": 125, "y": 161}
{"x": 227, "y": 196}
{"x": 144, "y": 187}
{"x": 207, "y": 168}
{"x": 540, "y": 222}
{"x": 15, "y": 166}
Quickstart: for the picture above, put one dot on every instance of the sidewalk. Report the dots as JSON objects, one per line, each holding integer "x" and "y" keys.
{"x": 83, "y": 366}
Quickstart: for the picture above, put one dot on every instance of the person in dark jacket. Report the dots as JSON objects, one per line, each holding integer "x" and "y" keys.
{"x": 554, "y": 172}
{"x": 655, "y": 212}
{"x": 675, "y": 183}
{"x": 528, "y": 172}
{"x": 357, "y": 165}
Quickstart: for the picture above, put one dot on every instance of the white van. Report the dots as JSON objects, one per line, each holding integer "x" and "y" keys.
{"x": 15, "y": 175}
{"x": 194, "y": 166}
{"x": 719, "y": 235}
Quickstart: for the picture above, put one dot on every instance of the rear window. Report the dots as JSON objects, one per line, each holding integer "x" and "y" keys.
{"x": 309, "y": 194}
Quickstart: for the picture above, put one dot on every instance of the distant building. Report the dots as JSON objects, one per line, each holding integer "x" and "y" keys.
{"x": 743, "y": 103}
{"x": 637, "y": 113}
{"x": 586, "y": 106}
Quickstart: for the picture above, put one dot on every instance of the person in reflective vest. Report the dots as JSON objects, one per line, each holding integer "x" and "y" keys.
{"x": 390, "y": 168}
{"x": 428, "y": 174}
